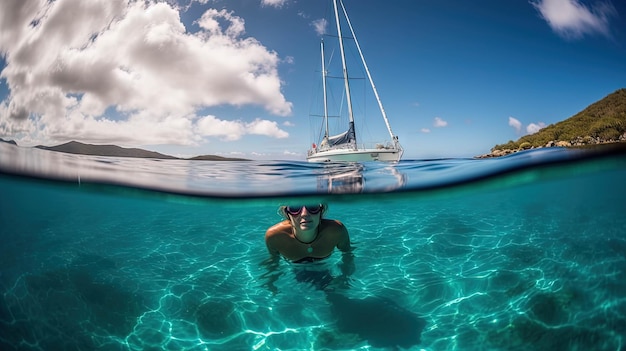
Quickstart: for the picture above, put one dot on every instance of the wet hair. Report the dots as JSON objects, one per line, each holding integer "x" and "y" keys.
{"x": 282, "y": 211}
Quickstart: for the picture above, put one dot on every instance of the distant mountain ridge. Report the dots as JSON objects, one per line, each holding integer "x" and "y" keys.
{"x": 75, "y": 147}
{"x": 602, "y": 122}
{"x": 8, "y": 141}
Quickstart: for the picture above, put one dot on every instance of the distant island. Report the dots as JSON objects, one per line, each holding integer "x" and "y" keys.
{"x": 74, "y": 147}
{"x": 8, "y": 141}
{"x": 602, "y": 122}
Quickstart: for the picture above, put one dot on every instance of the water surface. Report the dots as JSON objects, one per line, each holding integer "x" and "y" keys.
{"x": 522, "y": 252}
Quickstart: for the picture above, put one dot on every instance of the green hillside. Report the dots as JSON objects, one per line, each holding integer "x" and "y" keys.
{"x": 602, "y": 122}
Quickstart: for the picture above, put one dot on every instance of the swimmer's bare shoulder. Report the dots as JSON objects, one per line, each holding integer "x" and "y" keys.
{"x": 338, "y": 231}
{"x": 275, "y": 234}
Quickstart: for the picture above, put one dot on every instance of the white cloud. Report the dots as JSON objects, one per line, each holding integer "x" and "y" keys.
{"x": 234, "y": 130}
{"x": 425, "y": 130}
{"x": 227, "y": 130}
{"x": 264, "y": 127}
{"x": 320, "y": 26}
{"x": 534, "y": 128}
{"x": 274, "y": 3}
{"x": 439, "y": 122}
{"x": 128, "y": 71}
{"x": 515, "y": 123}
{"x": 573, "y": 19}
{"x": 530, "y": 129}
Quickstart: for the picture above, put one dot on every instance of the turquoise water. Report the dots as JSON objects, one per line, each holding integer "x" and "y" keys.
{"x": 526, "y": 252}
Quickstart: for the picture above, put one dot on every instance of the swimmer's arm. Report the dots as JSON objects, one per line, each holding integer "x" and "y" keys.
{"x": 343, "y": 242}
{"x": 347, "y": 258}
{"x": 269, "y": 238}
{"x": 347, "y": 266}
{"x": 272, "y": 274}
{"x": 272, "y": 262}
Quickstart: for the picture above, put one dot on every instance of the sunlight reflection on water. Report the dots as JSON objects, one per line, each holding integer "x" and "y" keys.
{"x": 532, "y": 257}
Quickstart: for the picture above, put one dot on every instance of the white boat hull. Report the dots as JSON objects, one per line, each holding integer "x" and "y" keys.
{"x": 360, "y": 155}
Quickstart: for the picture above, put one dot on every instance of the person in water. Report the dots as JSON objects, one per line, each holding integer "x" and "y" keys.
{"x": 305, "y": 236}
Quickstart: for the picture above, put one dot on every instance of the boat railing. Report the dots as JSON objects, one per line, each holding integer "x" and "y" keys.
{"x": 378, "y": 146}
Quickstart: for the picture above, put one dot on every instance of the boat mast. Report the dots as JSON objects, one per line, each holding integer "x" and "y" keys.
{"x": 324, "y": 88}
{"x": 345, "y": 69}
{"x": 369, "y": 76}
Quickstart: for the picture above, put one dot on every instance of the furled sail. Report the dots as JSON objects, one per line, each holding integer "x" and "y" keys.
{"x": 346, "y": 137}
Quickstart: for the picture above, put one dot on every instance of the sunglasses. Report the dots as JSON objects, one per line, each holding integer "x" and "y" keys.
{"x": 296, "y": 210}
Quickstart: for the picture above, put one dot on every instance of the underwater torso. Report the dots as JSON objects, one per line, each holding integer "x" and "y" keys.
{"x": 310, "y": 259}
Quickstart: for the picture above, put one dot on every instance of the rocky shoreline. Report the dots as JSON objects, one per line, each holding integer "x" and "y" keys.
{"x": 578, "y": 142}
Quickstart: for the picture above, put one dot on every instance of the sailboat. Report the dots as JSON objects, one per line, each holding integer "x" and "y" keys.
{"x": 344, "y": 147}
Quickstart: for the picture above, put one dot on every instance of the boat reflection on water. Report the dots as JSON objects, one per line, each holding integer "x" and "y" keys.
{"x": 348, "y": 178}
{"x": 347, "y": 182}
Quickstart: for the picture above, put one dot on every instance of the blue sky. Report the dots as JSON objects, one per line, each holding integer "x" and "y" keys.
{"x": 238, "y": 77}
